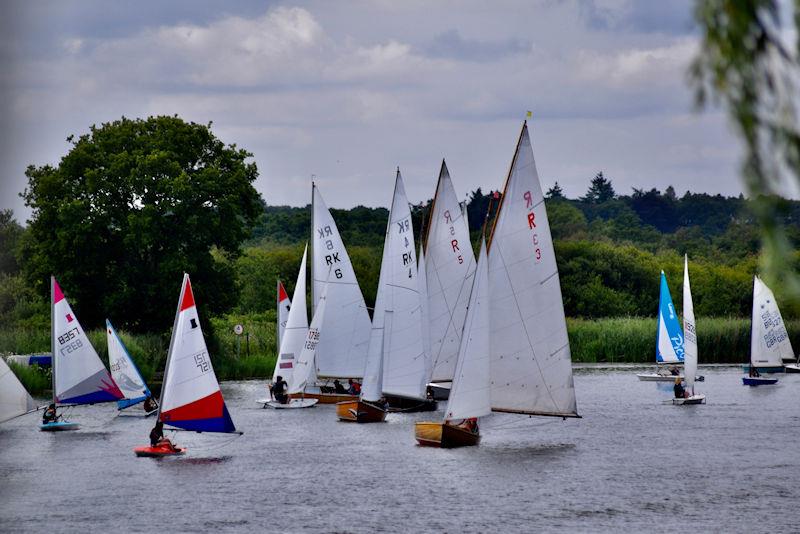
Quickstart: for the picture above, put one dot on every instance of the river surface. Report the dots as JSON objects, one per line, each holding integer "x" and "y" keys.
{"x": 632, "y": 463}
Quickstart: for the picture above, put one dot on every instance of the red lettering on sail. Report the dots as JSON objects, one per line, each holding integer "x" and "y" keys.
{"x": 447, "y": 217}
{"x": 454, "y": 244}
{"x": 531, "y": 223}
{"x": 528, "y": 199}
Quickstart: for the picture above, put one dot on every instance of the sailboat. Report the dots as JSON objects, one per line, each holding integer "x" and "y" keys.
{"x": 14, "y": 398}
{"x": 305, "y": 371}
{"x": 127, "y": 376}
{"x": 669, "y": 340}
{"x": 79, "y": 376}
{"x": 690, "y": 343}
{"x": 470, "y": 392}
{"x": 282, "y": 315}
{"x": 450, "y": 268}
{"x": 294, "y": 338}
{"x": 769, "y": 341}
{"x": 406, "y": 368}
{"x": 530, "y": 367}
{"x": 190, "y": 397}
{"x": 342, "y": 351}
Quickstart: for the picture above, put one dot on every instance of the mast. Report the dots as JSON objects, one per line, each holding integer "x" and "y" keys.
{"x": 505, "y": 186}
{"x": 171, "y": 345}
{"x": 53, "y": 334}
{"x": 278, "y": 315}
{"x": 313, "y": 251}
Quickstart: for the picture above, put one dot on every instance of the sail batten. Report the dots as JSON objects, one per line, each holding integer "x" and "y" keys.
{"x": 531, "y": 366}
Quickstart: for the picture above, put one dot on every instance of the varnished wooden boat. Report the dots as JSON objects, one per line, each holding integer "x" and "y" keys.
{"x": 444, "y": 435}
{"x": 358, "y": 411}
{"x": 326, "y": 398}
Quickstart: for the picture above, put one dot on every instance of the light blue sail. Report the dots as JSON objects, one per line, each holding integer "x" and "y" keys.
{"x": 669, "y": 335}
{"x": 124, "y": 371}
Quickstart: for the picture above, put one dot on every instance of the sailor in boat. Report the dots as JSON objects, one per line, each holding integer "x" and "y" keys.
{"x": 338, "y": 387}
{"x": 157, "y": 436}
{"x": 278, "y": 390}
{"x": 680, "y": 391}
{"x": 355, "y": 387}
{"x": 150, "y": 404}
{"x": 471, "y": 425}
{"x": 50, "y": 415}
{"x": 754, "y": 372}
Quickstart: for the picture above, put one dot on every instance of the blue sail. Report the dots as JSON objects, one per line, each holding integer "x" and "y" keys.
{"x": 669, "y": 334}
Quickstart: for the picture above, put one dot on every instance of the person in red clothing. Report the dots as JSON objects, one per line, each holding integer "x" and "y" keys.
{"x": 355, "y": 387}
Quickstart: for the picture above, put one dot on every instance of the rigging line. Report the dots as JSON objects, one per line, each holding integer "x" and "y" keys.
{"x": 525, "y": 327}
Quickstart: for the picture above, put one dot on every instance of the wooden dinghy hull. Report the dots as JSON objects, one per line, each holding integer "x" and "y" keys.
{"x": 694, "y": 399}
{"x": 59, "y": 426}
{"x": 328, "y": 398}
{"x": 443, "y": 435}
{"x": 359, "y": 412}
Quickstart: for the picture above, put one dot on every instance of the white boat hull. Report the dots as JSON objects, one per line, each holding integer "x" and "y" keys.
{"x": 293, "y": 404}
{"x": 694, "y": 399}
{"x": 655, "y": 377}
{"x": 792, "y": 368}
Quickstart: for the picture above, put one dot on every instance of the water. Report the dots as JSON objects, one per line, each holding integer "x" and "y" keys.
{"x": 632, "y": 463}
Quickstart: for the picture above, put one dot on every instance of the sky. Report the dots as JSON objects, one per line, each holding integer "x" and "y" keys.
{"x": 347, "y": 91}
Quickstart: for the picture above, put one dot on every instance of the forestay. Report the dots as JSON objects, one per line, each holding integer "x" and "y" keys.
{"x": 450, "y": 268}
{"x": 669, "y": 338}
{"x": 294, "y": 334}
{"x": 342, "y": 352}
{"x": 14, "y": 399}
{"x": 305, "y": 368}
{"x": 404, "y": 362}
{"x": 190, "y": 397}
{"x": 124, "y": 371}
{"x": 79, "y": 376}
{"x": 769, "y": 343}
{"x": 470, "y": 395}
{"x": 531, "y": 368}
{"x": 689, "y": 332}
{"x": 283, "y": 306}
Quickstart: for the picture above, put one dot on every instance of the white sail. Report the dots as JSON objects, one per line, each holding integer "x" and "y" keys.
{"x": 305, "y": 368}
{"x": 404, "y": 362}
{"x": 769, "y": 341}
{"x": 450, "y": 268}
{"x": 342, "y": 353}
{"x": 79, "y": 376}
{"x": 294, "y": 335}
{"x": 689, "y": 332}
{"x": 422, "y": 282}
{"x": 282, "y": 316}
{"x": 372, "y": 384}
{"x": 124, "y": 371}
{"x": 531, "y": 368}
{"x": 470, "y": 395}
{"x": 14, "y": 399}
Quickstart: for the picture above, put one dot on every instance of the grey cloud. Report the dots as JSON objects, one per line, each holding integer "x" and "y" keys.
{"x": 670, "y": 17}
{"x": 450, "y": 44}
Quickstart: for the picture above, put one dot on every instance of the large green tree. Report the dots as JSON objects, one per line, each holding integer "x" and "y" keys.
{"x": 133, "y": 205}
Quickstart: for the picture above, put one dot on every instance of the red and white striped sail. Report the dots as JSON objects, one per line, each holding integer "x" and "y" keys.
{"x": 284, "y": 305}
{"x": 190, "y": 397}
{"x": 79, "y": 377}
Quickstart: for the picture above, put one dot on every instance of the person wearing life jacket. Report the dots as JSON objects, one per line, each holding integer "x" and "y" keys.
{"x": 338, "y": 387}
{"x": 157, "y": 437}
{"x": 150, "y": 404}
{"x": 278, "y": 390}
{"x": 50, "y": 415}
{"x": 355, "y": 387}
{"x": 678, "y": 389}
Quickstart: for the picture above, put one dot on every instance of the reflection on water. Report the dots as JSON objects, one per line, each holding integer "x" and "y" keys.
{"x": 633, "y": 463}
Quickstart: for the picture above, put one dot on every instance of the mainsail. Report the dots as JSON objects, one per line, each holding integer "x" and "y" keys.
{"x": 372, "y": 384}
{"x": 470, "y": 393}
{"x": 284, "y": 304}
{"x": 191, "y": 398}
{"x": 531, "y": 367}
{"x": 450, "y": 267}
{"x": 305, "y": 368}
{"x": 404, "y": 361}
{"x": 769, "y": 341}
{"x": 669, "y": 338}
{"x": 342, "y": 353}
{"x": 294, "y": 334}
{"x": 79, "y": 376}
{"x": 14, "y": 399}
{"x": 422, "y": 282}
{"x": 689, "y": 332}
{"x": 124, "y": 371}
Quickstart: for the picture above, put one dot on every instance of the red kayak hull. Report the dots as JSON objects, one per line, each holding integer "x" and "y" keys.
{"x": 159, "y": 451}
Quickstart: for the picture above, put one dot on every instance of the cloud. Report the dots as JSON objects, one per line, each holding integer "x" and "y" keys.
{"x": 452, "y": 45}
{"x": 672, "y": 17}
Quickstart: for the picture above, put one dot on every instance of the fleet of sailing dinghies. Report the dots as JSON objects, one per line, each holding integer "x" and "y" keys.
{"x": 342, "y": 351}
{"x": 190, "y": 396}
{"x": 14, "y": 398}
{"x": 690, "y": 343}
{"x": 769, "y": 341}
{"x": 405, "y": 365}
{"x": 79, "y": 376}
{"x": 125, "y": 373}
{"x": 282, "y": 315}
{"x": 449, "y": 267}
{"x": 670, "y": 343}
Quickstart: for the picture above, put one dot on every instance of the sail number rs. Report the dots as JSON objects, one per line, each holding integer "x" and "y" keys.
{"x": 537, "y": 251}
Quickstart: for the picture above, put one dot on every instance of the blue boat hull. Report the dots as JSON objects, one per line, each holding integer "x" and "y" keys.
{"x": 748, "y": 381}
{"x": 59, "y": 426}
